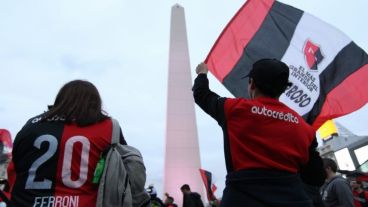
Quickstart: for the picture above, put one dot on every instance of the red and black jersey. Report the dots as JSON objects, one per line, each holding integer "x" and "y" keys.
{"x": 262, "y": 133}
{"x": 54, "y": 163}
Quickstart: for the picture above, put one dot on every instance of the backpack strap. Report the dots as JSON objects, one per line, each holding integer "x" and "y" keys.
{"x": 115, "y": 131}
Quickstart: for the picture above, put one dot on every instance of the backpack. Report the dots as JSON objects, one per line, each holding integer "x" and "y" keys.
{"x": 124, "y": 176}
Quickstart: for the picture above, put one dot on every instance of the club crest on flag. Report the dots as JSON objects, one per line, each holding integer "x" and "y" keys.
{"x": 312, "y": 54}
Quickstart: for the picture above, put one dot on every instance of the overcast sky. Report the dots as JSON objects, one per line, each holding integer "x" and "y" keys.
{"x": 122, "y": 47}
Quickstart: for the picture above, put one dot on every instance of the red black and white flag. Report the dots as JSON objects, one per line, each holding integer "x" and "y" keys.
{"x": 6, "y": 146}
{"x": 328, "y": 71}
{"x": 207, "y": 180}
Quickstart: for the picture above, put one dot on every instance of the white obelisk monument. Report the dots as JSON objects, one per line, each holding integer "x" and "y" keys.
{"x": 182, "y": 159}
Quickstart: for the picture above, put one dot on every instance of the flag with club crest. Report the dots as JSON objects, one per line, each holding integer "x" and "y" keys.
{"x": 328, "y": 71}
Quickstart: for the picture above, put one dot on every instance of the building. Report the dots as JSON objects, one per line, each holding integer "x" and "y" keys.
{"x": 348, "y": 149}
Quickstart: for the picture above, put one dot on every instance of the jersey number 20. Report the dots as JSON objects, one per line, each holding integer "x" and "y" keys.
{"x": 67, "y": 162}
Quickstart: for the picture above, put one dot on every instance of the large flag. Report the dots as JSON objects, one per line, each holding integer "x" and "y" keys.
{"x": 328, "y": 71}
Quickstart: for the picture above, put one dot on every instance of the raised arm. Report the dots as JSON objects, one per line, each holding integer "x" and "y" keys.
{"x": 209, "y": 101}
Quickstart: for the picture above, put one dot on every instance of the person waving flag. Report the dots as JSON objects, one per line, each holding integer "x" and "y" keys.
{"x": 328, "y": 71}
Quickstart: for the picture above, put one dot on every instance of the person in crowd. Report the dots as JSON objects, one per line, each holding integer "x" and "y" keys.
{"x": 155, "y": 201}
{"x": 190, "y": 199}
{"x": 169, "y": 201}
{"x": 55, "y": 153}
{"x": 269, "y": 148}
{"x": 359, "y": 193}
{"x": 336, "y": 191}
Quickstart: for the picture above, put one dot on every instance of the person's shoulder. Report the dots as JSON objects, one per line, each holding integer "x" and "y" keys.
{"x": 106, "y": 121}
{"x": 307, "y": 127}
{"x": 30, "y": 127}
{"x": 301, "y": 122}
{"x": 102, "y": 124}
{"x": 338, "y": 180}
{"x": 236, "y": 102}
{"x": 33, "y": 121}
{"x": 195, "y": 194}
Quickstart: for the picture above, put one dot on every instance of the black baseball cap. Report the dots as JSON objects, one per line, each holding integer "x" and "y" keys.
{"x": 270, "y": 75}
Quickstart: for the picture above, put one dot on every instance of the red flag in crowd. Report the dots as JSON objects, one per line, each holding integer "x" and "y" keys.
{"x": 328, "y": 71}
{"x": 6, "y": 145}
{"x": 207, "y": 180}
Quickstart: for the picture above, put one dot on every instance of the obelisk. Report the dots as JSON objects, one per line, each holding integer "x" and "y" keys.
{"x": 182, "y": 158}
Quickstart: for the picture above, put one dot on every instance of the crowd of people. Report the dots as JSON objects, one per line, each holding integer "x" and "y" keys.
{"x": 336, "y": 191}
{"x": 339, "y": 191}
{"x": 190, "y": 199}
{"x": 270, "y": 151}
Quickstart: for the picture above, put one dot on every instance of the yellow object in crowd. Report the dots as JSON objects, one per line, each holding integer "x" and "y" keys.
{"x": 327, "y": 130}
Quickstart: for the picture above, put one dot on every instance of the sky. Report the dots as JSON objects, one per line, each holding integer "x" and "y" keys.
{"x": 122, "y": 47}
